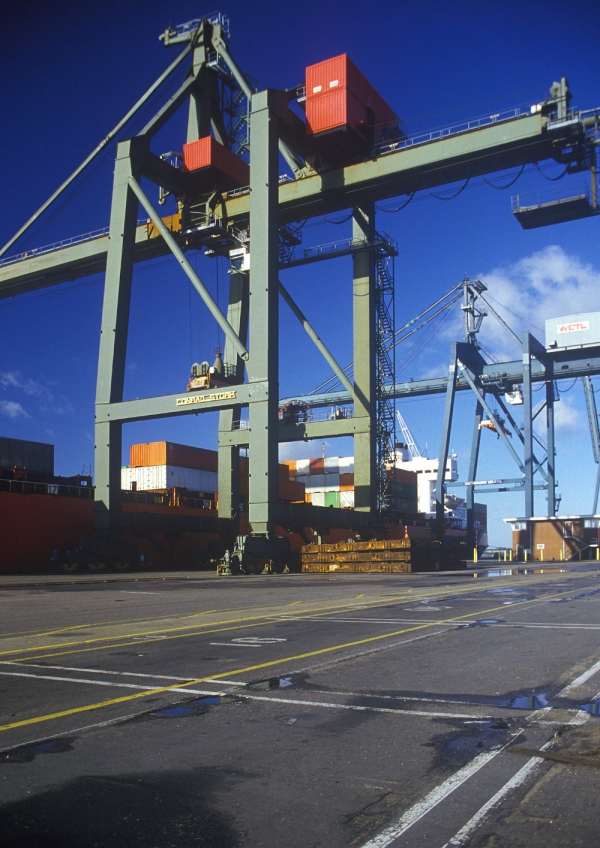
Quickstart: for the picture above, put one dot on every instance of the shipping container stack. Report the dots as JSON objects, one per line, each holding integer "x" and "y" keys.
{"x": 157, "y": 466}
{"x": 329, "y": 481}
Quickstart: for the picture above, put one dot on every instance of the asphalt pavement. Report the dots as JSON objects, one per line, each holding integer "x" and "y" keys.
{"x": 300, "y": 710}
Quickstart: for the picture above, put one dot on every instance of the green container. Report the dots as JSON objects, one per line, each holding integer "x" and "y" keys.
{"x": 332, "y": 499}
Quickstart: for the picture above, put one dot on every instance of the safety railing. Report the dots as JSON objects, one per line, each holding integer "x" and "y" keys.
{"x": 556, "y": 194}
{"x": 28, "y": 487}
{"x": 58, "y": 245}
{"x": 381, "y": 148}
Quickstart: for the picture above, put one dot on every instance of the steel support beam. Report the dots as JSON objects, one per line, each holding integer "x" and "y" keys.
{"x": 229, "y": 454}
{"x": 473, "y": 461}
{"x": 316, "y": 339}
{"x": 178, "y": 253}
{"x": 550, "y": 442}
{"x": 184, "y": 403}
{"x": 113, "y": 337}
{"x": 365, "y": 402}
{"x": 445, "y": 440}
{"x": 531, "y": 348}
{"x": 263, "y": 363}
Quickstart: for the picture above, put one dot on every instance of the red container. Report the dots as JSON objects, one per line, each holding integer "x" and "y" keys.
{"x": 333, "y": 76}
{"x": 336, "y": 109}
{"x": 208, "y": 153}
{"x": 317, "y": 466}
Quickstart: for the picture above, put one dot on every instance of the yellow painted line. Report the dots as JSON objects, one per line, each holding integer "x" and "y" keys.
{"x": 257, "y": 667}
{"x": 340, "y": 607}
{"x": 198, "y": 629}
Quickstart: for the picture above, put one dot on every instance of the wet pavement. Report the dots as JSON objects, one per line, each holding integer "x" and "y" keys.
{"x": 300, "y": 710}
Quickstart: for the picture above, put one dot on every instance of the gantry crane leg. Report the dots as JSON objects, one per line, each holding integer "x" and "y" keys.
{"x": 365, "y": 479}
{"x": 263, "y": 363}
{"x": 113, "y": 338}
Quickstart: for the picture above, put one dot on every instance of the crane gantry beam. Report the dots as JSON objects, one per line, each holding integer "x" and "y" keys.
{"x": 484, "y": 150}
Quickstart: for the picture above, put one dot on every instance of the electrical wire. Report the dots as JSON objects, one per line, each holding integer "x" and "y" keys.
{"x": 452, "y": 196}
{"x": 516, "y": 314}
{"x": 508, "y": 185}
{"x": 564, "y": 391}
{"x": 552, "y": 179}
{"x": 398, "y": 208}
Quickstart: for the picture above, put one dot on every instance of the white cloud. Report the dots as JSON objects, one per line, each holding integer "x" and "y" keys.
{"x": 567, "y": 419}
{"x": 15, "y": 380}
{"x": 11, "y": 409}
{"x": 548, "y": 284}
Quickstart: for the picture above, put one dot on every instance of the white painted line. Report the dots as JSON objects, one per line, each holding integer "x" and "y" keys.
{"x": 421, "y": 808}
{"x": 70, "y": 732}
{"x": 95, "y": 671}
{"x": 110, "y": 683}
{"x": 465, "y": 833}
{"x": 327, "y": 619}
{"x": 422, "y": 700}
{"x": 357, "y": 708}
{"x": 135, "y": 592}
{"x": 73, "y": 680}
{"x": 237, "y": 644}
{"x": 226, "y": 682}
{"x": 579, "y": 681}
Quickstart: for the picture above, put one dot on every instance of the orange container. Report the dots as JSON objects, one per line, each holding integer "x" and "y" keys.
{"x": 346, "y": 482}
{"x": 338, "y": 72}
{"x": 208, "y": 153}
{"x": 170, "y": 453}
{"x": 335, "y": 110}
{"x": 334, "y": 75}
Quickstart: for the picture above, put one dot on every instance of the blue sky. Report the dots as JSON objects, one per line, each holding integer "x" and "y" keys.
{"x": 70, "y": 71}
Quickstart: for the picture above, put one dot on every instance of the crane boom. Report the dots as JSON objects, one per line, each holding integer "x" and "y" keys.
{"x": 412, "y": 446}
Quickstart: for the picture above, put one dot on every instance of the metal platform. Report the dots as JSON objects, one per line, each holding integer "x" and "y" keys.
{"x": 556, "y": 211}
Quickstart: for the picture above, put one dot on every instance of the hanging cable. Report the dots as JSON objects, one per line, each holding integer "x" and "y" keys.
{"x": 452, "y": 196}
{"x": 398, "y": 208}
{"x": 343, "y": 221}
{"x": 508, "y": 185}
{"x": 564, "y": 391}
{"x": 516, "y": 315}
{"x": 551, "y": 179}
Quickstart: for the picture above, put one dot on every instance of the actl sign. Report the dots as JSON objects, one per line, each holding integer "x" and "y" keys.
{"x": 213, "y": 396}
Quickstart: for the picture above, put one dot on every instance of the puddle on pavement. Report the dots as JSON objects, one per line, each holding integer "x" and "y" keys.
{"x": 198, "y": 706}
{"x": 456, "y": 748}
{"x": 271, "y": 683}
{"x": 504, "y": 592}
{"x": 529, "y": 702}
{"x": 593, "y": 708}
{"x": 174, "y": 712}
{"x": 28, "y": 753}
